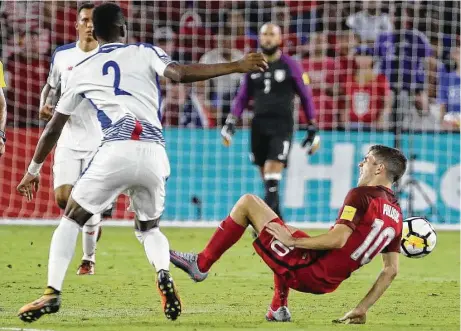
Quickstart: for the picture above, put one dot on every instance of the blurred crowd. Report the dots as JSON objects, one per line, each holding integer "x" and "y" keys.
{"x": 361, "y": 57}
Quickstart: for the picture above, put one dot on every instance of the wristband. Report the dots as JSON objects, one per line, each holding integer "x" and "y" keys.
{"x": 34, "y": 168}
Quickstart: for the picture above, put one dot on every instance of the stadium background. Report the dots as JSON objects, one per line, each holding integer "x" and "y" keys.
{"x": 207, "y": 178}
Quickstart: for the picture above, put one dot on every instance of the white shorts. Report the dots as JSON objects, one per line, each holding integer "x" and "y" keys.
{"x": 68, "y": 165}
{"x": 139, "y": 169}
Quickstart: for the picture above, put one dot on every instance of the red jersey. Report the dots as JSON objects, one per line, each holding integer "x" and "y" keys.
{"x": 366, "y": 102}
{"x": 375, "y": 217}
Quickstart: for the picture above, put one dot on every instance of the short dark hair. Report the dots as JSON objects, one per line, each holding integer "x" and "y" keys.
{"x": 393, "y": 159}
{"x": 85, "y": 5}
{"x": 108, "y": 20}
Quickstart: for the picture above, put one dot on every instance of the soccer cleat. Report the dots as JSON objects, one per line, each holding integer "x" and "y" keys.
{"x": 47, "y": 304}
{"x": 187, "y": 262}
{"x": 171, "y": 302}
{"x": 86, "y": 268}
{"x": 280, "y": 315}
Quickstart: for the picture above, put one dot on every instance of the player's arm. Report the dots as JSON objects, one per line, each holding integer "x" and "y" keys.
{"x": 50, "y": 88}
{"x": 50, "y": 136}
{"x": 333, "y": 239}
{"x": 189, "y": 73}
{"x": 301, "y": 84}
{"x": 2, "y": 111}
{"x": 238, "y": 106}
{"x": 385, "y": 278}
{"x": 47, "y": 140}
{"x": 46, "y": 111}
{"x": 67, "y": 104}
{"x": 2, "y": 122}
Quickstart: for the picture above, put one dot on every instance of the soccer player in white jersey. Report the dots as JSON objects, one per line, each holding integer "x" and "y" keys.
{"x": 81, "y": 135}
{"x": 121, "y": 84}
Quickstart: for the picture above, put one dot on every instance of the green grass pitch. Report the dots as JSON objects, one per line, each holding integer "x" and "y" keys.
{"x": 122, "y": 295}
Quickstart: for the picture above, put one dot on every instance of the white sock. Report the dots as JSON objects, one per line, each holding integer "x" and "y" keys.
{"x": 157, "y": 248}
{"x": 62, "y": 250}
{"x": 89, "y": 237}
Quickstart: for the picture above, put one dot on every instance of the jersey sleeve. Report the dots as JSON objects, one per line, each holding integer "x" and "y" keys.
{"x": 354, "y": 207}
{"x": 54, "y": 75}
{"x": 301, "y": 83}
{"x": 159, "y": 60}
{"x": 243, "y": 95}
{"x": 70, "y": 98}
{"x": 2, "y": 76}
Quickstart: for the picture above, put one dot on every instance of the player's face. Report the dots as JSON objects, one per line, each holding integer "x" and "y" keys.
{"x": 368, "y": 169}
{"x": 270, "y": 39}
{"x": 84, "y": 25}
{"x": 364, "y": 61}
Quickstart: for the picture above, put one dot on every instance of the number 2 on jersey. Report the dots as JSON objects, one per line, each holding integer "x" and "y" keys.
{"x": 374, "y": 239}
{"x": 105, "y": 71}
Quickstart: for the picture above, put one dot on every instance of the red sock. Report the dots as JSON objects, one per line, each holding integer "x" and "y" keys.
{"x": 280, "y": 293}
{"x": 225, "y": 236}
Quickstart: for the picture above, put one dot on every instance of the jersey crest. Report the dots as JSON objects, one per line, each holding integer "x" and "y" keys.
{"x": 279, "y": 75}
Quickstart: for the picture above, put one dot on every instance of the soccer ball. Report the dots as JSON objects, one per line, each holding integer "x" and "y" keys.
{"x": 418, "y": 237}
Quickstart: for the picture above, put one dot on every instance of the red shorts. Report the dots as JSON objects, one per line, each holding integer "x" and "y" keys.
{"x": 291, "y": 263}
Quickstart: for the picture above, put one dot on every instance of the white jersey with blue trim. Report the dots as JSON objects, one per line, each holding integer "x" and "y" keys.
{"x": 82, "y": 131}
{"x": 121, "y": 82}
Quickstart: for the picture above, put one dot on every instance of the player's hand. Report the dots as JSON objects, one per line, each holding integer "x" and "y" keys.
{"x": 2, "y": 147}
{"x": 28, "y": 185}
{"x": 355, "y": 316}
{"x": 252, "y": 62}
{"x": 312, "y": 140}
{"x": 45, "y": 113}
{"x": 228, "y": 130}
{"x": 281, "y": 233}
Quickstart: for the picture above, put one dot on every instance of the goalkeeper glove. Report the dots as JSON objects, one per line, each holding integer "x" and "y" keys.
{"x": 312, "y": 140}
{"x": 228, "y": 129}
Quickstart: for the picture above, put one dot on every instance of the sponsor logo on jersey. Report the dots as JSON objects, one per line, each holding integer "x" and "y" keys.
{"x": 256, "y": 75}
{"x": 279, "y": 75}
{"x": 391, "y": 212}
{"x": 348, "y": 213}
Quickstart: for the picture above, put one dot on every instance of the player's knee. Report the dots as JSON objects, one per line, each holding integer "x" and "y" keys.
{"x": 61, "y": 195}
{"x": 61, "y": 199}
{"x": 141, "y": 235}
{"x": 246, "y": 200}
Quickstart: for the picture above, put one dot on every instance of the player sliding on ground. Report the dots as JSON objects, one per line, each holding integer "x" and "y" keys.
{"x": 369, "y": 222}
{"x": 121, "y": 83}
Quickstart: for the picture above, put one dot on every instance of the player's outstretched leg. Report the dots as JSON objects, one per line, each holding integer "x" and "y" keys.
{"x": 248, "y": 210}
{"x": 90, "y": 236}
{"x": 278, "y": 310}
{"x": 157, "y": 249}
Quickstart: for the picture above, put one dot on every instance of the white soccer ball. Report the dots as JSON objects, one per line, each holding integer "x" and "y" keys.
{"x": 418, "y": 237}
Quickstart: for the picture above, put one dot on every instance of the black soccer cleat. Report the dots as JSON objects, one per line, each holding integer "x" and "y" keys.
{"x": 47, "y": 304}
{"x": 171, "y": 303}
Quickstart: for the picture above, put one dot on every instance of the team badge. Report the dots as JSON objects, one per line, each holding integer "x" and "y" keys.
{"x": 279, "y": 75}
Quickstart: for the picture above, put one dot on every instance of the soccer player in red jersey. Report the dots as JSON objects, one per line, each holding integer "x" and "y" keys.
{"x": 370, "y": 222}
